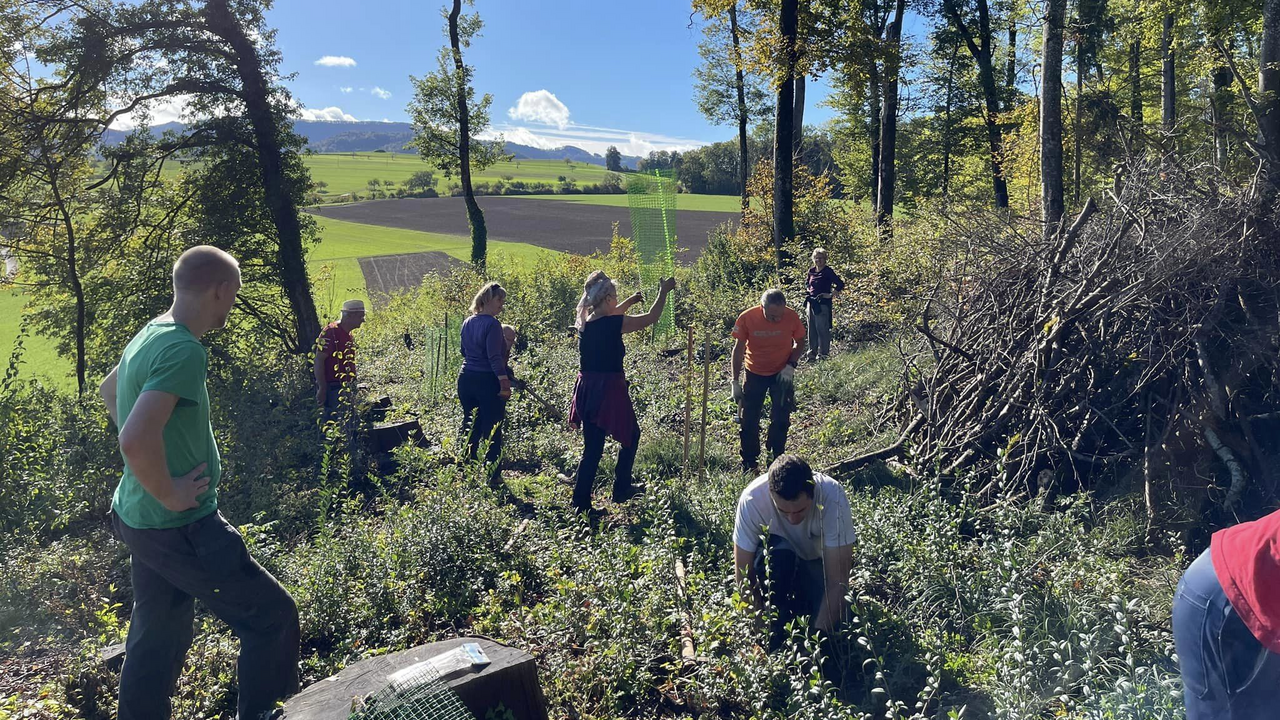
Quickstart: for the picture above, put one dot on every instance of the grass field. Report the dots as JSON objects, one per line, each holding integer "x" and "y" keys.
{"x": 39, "y": 358}
{"x": 346, "y": 172}
{"x": 335, "y": 270}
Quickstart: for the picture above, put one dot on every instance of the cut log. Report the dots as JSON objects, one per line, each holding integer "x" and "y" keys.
{"x": 385, "y": 437}
{"x": 506, "y": 688}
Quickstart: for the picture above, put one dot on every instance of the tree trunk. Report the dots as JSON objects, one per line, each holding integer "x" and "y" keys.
{"x": 873, "y": 128}
{"x": 1135, "y": 83}
{"x": 1269, "y": 89}
{"x": 744, "y": 165}
{"x": 1167, "y": 75}
{"x": 1011, "y": 68}
{"x": 889, "y": 119}
{"x": 1218, "y": 103}
{"x": 1051, "y": 117}
{"x": 980, "y": 49}
{"x": 475, "y": 216}
{"x": 784, "y": 116}
{"x": 73, "y": 275}
{"x": 946, "y": 123}
{"x": 797, "y": 123}
{"x": 290, "y": 255}
{"x": 1077, "y": 126}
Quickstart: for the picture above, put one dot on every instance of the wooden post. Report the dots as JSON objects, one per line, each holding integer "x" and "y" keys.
{"x": 706, "y": 385}
{"x": 688, "y": 400}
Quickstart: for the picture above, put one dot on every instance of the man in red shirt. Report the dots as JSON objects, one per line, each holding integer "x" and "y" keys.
{"x": 335, "y": 364}
{"x": 1226, "y": 625}
{"x": 768, "y": 340}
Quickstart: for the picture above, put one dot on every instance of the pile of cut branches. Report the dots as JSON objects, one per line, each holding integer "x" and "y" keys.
{"x": 1143, "y": 336}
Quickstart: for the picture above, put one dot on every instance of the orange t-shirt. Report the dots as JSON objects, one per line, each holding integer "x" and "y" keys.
{"x": 769, "y": 344}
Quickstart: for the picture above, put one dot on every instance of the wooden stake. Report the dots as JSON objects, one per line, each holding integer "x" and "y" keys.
{"x": 706, "y": 385}
{"x": 688, "y": 401}
{"x": 688, "y": 654}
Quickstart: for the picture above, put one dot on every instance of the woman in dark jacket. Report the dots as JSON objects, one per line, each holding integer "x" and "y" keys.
{"x": 601, "y": 402}
{"x": 484, "y": 384}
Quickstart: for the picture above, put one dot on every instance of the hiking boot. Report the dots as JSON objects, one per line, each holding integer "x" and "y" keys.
{"x": 630, "y": 492}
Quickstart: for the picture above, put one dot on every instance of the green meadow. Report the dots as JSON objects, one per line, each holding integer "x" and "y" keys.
{"x": 39, "y": 357}
{"x": 345, "y": 173}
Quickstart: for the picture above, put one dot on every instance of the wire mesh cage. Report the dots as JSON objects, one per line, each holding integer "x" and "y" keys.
{"x": 421, "y": 692}
{"x": 651, "y": 198}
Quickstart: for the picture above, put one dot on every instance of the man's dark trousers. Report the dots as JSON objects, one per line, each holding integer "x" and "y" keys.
{"x": 794, "y": 586}
{"x": 781, "y": 399}
{"x": 207, "y": 560}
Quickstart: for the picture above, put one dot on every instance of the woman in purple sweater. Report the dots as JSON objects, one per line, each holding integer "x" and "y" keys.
{"x": 484, "y": 384}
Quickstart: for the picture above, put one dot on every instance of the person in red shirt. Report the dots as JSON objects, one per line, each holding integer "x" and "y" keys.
{"x": 335, "y": 363}
{"x": 768, "y": 340}
{"x": 1226, "y": 625}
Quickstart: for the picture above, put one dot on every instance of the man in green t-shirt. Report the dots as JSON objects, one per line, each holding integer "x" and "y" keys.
{"x": 165, "y": 509}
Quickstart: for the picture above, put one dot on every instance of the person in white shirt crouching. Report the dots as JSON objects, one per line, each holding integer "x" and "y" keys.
{"x": 797, "y": 524}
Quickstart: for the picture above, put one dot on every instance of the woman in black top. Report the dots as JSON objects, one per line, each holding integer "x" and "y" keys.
{"x": 601, "y": 403}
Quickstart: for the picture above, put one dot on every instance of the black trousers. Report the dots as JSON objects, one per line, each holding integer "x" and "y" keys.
{"x": 754, "y": 391}
{"x": 206, "y": 560}
{"x": 593, "y": 449}
{"x": 794, "y": 586}
{"x": 483, "y": 411}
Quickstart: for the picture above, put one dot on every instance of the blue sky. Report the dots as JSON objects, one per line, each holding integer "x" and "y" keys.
{"x": 598, "y": 72}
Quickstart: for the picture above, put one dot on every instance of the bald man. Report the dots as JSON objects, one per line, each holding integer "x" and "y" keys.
{"x": 165, "y": 509}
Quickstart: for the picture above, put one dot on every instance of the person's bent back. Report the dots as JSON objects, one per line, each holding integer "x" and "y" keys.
{"x": 1226, "y": 625}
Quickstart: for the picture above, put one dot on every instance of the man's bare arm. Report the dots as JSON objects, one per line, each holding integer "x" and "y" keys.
{"x": 108, "y": 392}
{"x": 798, "y": 351}
{"x": 737, "y": 357}
{"x": 744, "y": 570}
{"x": 836, "y": 563}
{"x": 142, "y": 442}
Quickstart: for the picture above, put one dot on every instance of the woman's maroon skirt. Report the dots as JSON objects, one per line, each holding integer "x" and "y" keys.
{"x": 602, "y": 399}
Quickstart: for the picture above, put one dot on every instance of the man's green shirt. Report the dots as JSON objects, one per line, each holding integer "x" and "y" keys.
{"x": 165, "y": 356}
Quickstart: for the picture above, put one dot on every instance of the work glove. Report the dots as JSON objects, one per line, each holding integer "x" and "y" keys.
{"x": 787, "y": 376}
{"x": 736, "y": 391}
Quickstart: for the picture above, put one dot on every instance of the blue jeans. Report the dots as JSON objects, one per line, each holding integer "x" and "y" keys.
{"x": 1226, "y": 673}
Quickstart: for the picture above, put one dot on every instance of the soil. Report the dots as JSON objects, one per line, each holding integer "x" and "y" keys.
{"x": 563, "y": 226}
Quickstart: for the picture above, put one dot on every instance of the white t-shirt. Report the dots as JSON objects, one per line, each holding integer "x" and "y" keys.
{"x": 829, "y": 522}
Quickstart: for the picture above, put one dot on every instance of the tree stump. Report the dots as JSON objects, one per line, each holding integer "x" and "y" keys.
{"x": 506, "y": 689}
{"x": 385, "y": 437}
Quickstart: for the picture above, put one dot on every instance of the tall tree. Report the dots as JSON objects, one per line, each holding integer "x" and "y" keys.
{"x": 889, "y": 118}
{"x": 1167, "y": 74}
{"x": 1051, "y": 116}
{"x": 1269, "y": 88}
{"x": 724, "y": 90}
{"x": 797, "y": 117}
{"x": 613, "y": 159}
{"x": 446, "y": 120}
{"x": 783, "y": 202}
{"x": 219, "y": 59}
{"x": 978, "y": 39}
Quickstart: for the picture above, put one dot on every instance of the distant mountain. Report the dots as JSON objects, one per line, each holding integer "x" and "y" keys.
{"x": 334, "y": 137}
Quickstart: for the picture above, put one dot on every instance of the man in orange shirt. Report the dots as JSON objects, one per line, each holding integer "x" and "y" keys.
{"x": 769, "y": 340}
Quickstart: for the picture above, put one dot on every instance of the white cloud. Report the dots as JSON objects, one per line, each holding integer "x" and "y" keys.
{"x": 540, "y": 107}
{"x": 380, "y": 93}
{"x": 591, "y": 139}
{"x": 329, "y": 114}
{"x": 345, "y": 90}
{"x": 336, "y": 61}
{"x": 157, "y": 112}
